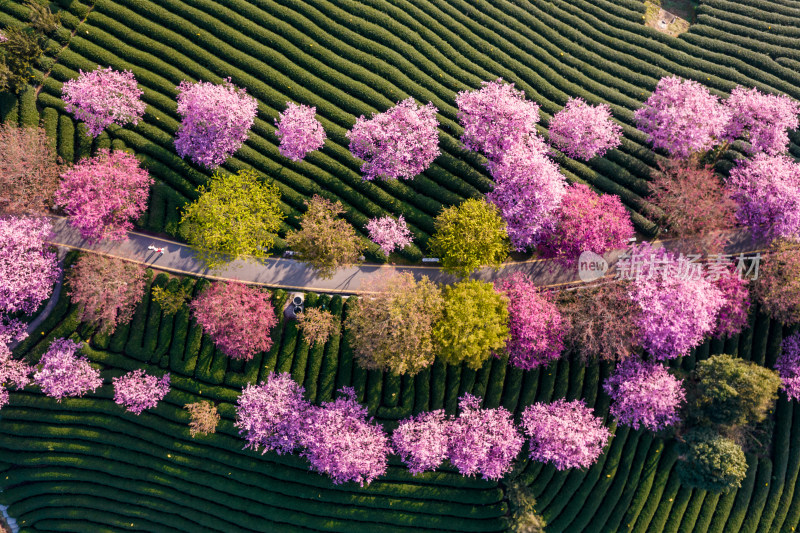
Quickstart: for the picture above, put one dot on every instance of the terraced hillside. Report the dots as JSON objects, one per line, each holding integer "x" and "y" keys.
{"x": 353, "y": 57}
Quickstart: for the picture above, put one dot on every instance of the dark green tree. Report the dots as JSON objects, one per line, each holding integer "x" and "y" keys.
{"x": 711, "y": 462}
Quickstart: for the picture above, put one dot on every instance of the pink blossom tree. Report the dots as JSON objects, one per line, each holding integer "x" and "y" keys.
{"x": 216, "y": 119}
{"x": 564, "y": 434}
{"x": 422, "y": 441}
{"x": 733, "y": 314}
{"x": 767, "y": 191}
{"x": 389, "y": 233}
{"x": 536, "y": 327}
{"x": 299, "y": 132}
{"x": 104, "y": 194}
{"x": 27, "y": 269}
{"x": 495, "y": 118}
{"x": 583, "y": 131}
{"x": 399, "y": 143}
{"x": 682, "y": 117}
{"x": 272, "y": 414}
{"x": 644, "y": 395}
{"x": 762, "y": 119}
{"x": 788, "y": 366}
{"x": 12, "y": 371}
{"x": 586, "y": 221}
{"x": 61, "y": 373}
{"x": 340, "y": 441}
{"x": 237, "y": 317}
{"x": 138, "y": 391}
{"x": 102, "y": 97}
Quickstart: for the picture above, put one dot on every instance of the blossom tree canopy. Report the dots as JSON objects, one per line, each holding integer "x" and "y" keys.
{"x": 484, "y": 441}
{"x": 138, "y": 391}
{"x": 299, "y": 132}
{"x": 535, "y": 324}
{"x": 238, "y": 318}
{"x": 216, "y": 120}
{"x": 644, "y": 395}
{"x": 102, "y": 97}
{"x": 733, "y": 315}
{"x": 317, "y": 325}
{"x": 682, "y": 117}
{"x": 12, "y": 371}
{"x": 583, "y": 131}
{"x": 272, "y": 414}
{"x": 528, "y": 189}
{"x": 27, "y": 269}
{"x": 565, "y": 434}
{"x": 204, "y": 418}
{"x": 762, "y": 119}
{"x": 586, "y": 221}
{"x": 399, "y": 143}
{"x": 767, "y": 190}
{"x": 495, "y": 117}
{"x": 422, "y": 441}
{"x": 389, "y": 233}
{"x": 788, "y": 366}
{"x": 28, "y": 170}
{"x": 104, "y": 194}
{"x": 61, "y": 373}
{"x": 777, "y": 288}
{"x": 341, "y": 442}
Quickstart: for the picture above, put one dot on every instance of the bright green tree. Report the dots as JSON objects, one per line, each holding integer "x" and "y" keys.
{"x": 711, "y": 462}
{"x": 469, "y": 236}
{"x": 238, "y": 215}
{"x": 474, "y": 324}
{"x": 172, "y": 297}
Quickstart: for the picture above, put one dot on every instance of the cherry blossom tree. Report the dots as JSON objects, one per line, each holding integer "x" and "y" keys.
{"x": 483, "y": 441}
{"x": 778, "y": 285}
{"x": 495, "y": 118}
{"x": 682, "y": 117}
{"x": 104, "y": 194}
{"x": 13, "y": 372}
{"x": 299, "y": 132}
{"x": 767, "y": 190}
{"x": 586, "y": 221}
{"x": 535, "y": 324}
{"x": 216, "y": 120}
{"x": 272, "y": 414}
{"x": 644, "y": 395}
{"x": 341, "y": 442}
{"x": 564, "y": 434}
{"x": 762, "y": 119}
{"x": 422, "y": 441}
{"x": 102, "y": 97}
{"x": 389, "y": 233}
{"x": 204, "y": 418}
{"x": 28, "y": 270}
{"x": 61, "y": 373}
{"x": 733, "y": 314}
{"x": 317, "y": 325}
{"x": 138, "y": 391}
{"x": 583, "y": 131}
{"x": 399, "y": 143}
{"x": 788, "y": 366}
{"x": 238, "y": 318}
{"x": 28, "y": 170}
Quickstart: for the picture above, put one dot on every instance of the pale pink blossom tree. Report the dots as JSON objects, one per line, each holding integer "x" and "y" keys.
{"x": 102, "y": 97}
{"x": 138, "y": 391}
{"x": 299, "y": 132}
{"x": 13, "y": 372}
{"x": 733, "y": 315}
{"x": 389, "y": 233}
{"x": 762, "y": 119}
{"x": 583, "y": 131}
{"x": 61, "y": 373}
{"x": 423, "y": 441}
{"x": 788, "y": 366}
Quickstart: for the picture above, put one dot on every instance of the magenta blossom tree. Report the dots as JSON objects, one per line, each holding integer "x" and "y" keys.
{"x": 341, "y": 442}
{"x": 13, "y": 372}
{"x": 272, "y": 414}
{"x": 104, "y": 194}
{"x": 484, "y": 441}
{"x": 216, "y": 119}
{"x": 422, "y": 441}
{"x": 767, "y": 192}
{"x": 682, "y": 117}
{"x": 644, "y": 395}
{"x": 495, "y": 118}
{"x": 138, "y": 391}
{"x": 762, "y": 119}
{"x": 788, "y": 366}
{"x": 583, "y": 131}
{"x": 27, "y": 269}
{"x": 564, "y": 434}
{"x": 399, "y": 143}
{"x": 102, "y": 97}
{"x": 299, "y": 132}
{"x": 586, "y": 221}
{"x": 733, "y": 315}
{"x": 389, "y": 233}
{"x": 62, "y": 373}
{"x": 238, "y": 318}
{"x": 536, "y": 327}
